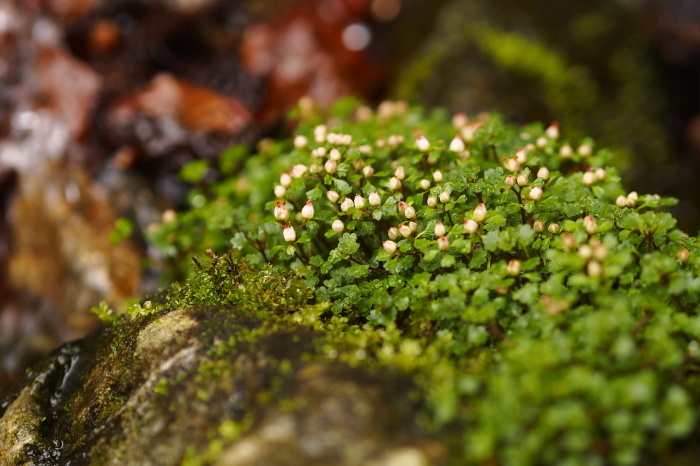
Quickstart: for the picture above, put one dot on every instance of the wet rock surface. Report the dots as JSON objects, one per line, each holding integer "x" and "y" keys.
{"x": 211, "y": 384}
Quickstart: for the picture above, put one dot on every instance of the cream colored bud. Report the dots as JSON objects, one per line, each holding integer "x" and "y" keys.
{"x": 633, "y": 195}
{"x": 543, "y": 173}
{"x": 307, "y": 212}
{"x": 281, "y": 212}
{"x": 374, "y": 199}
{"x": 536, "y": 193}
{"x": 432, "y": 201}
{"x": 315, "y": 168}
{"x": 393, "y": 233}
{"x": 538, "y": 226}
{"x": 334, "y": 154}
{"x": 566, "y": 151}
{"x": 285, "y": 180}
{"x": 338, "y": 226}
{"x": 333, "y": 196}
{"x": 600, "y": 252}
{"x": 512, "y": 164}
{"x": 552, "y": 131}
{"x": 300, "y": 142}
{"x": 346, "y": 204}
{"x": 589, "y": 178}
{"x": 444, "y": 197}
{"x": 389, "y": 246}
{"x": 400, "y": 173}
{"x": 480, "y": 212}
{"x": 457, "y": 144}
{"x": 437, "y": 176}
{"x": 470, "y": 226}
{"x": 368, "y": 171}
{"x": 394, "y": 184}
{"x": 585, "y": 150}
{"x": 289, "y": 233}
{"x": 299, "y": 170}
{"x": 402, "y": 207}
{"x": 590, "y": 225}
{"x": 510, "y": 180}
{"x": 410, "y": 212}
{"x": 320, "y": 133}
{"x": 280, "y": 190}
{"x": 585, "y": 251}
{"x": 365, "y": 149}
{"x": 621, "y": 201}
{"x": 541, "y": 142}
{"x": 522, "y": 179}
{"x": 683, "y": 255}
{"x": 459, "y": 119}
{"x": 413, "y": 226}
{"x": 521, "y": 156}
{"x": 440, "y": 229}
{"x": 443, "y": 243}
{"x": 553, "y": 228}
{"x": 422, "y": 143}
{"x": 359, "y": 202}
{"x": 569, "y": 241}
{"x": 600, "y": 174}
{"x": 405, "y": 230}
{"x": 594, "y": 269}
{"x": 424, "y": 184}
{"x": 513, "y": 268}
{"x": 331, "y": 166}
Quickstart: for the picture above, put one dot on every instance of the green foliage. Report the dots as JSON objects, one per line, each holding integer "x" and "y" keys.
{"x": 123, "y": 228}
{"x": 549, "y": 315}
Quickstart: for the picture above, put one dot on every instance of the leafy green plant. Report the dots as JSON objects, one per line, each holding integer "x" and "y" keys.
{"x": 548, "y": 314}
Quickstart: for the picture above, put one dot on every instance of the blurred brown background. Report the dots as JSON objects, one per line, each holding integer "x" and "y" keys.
{"x": 101, "y": 103}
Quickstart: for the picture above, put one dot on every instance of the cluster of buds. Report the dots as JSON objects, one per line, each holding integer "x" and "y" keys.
{"x": 593, "y": 175}
{"x": 627, "y": 201}
{"x": 595, "y": 253}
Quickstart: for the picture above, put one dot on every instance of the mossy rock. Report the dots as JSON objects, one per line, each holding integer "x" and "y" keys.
{"x": 209, "y": 385}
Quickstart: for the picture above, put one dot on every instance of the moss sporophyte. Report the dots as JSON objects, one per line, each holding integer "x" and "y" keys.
{"x": 549, "y": 314}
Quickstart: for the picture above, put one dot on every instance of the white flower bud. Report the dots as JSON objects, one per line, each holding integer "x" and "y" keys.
{"x": 437, "y": 176}
{"x": 512, "y": 164}
{"x": 600, "y": 173}
{"x": 440, "y": 229}
{"x": 443, "y": 243}
{"x": 432, "y": 201}
{"x": 683, "y": 255}
{"x": 590, "y": 225}
{"x": 359, "y": 202}
{"x": 394, "y": 184}
{"x": 405, "y": 230}
{"x": 589, "y": 178}
{"x": 281, "y": 212}
{"x": 318, "y": 153}
{"x": 346, "y": 203}
{"x": 413, "y": 226}
{"x": 400, "y": 173}
{"x": 569, "y": 241}
{"x": 470, "y": 226}
{"x": 566, "y": 151}
{"x": 522, "y": 179}
{"x": 289, "y": 233}
{"x": 459, "y": 119}
{"x": 444, "y": 197}
{"x": 298, "y": 170}
{"x": 374, "y": 198}
{"x": 594, "y": 269}
{"x": 422, "y": 143}
{"x": 554, "y": 228}
{"x": 467, "y": 133}
{"x": 585, "y": 150}
{"x": 513, "y": 268}
{"x": 280, "y": 191}
{"x": 315, "y": 168}
{"x": 334, "y": 154}
{"x": 389, "y": 246}
{"x": 333, "y": 196}
{"x": 536, "y": 193}
{"x": 331, "y": 166}
{"x": 538, "y": 226}
{"x": 600, "y": 252}
{"x": 457, "y": 144}
{"x": 320, "y": 133}
{"x": 346, "y": 139}
{"x": 402, "y": 207}
{"x": 307, "y": 212}
{"x": 410, "y": 212}
{"x": 510, "y": 180}
{"x": 543, "y": 173}
{"x": 332, "y": 138}
{"x": 368, "y": 171}
{"x": 585, "y": 251}
{"x": 633, "y": 195}
{"x": 424, "y": 184}
{"x": 338, "y": 226}
{"x": 541, "y": 142}
{"x": 521, "y": 156}
{"x": 393, "y": 233}
{"x": 552, "y": 131}
{"x": 300, "y": 142}
{"x": 365, "y": 149}
{"x": 621, "y": 201}
{"x": 285, "y": 180}
{"x": 480, "y": 212}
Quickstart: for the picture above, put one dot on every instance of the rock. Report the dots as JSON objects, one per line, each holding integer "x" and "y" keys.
{"x": 218, "y": 385}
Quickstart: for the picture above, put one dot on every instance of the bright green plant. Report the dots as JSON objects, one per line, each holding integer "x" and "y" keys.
{"x": 549, "y": 315}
